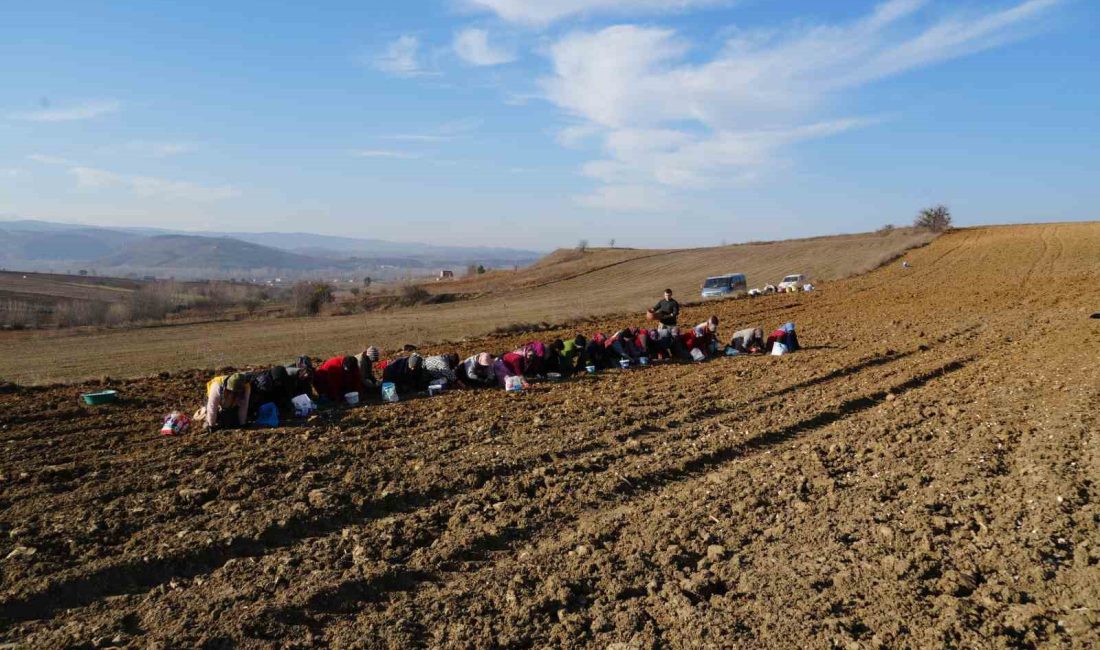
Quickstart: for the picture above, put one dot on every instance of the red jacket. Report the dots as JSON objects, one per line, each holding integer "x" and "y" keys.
{"x": 332, "y": 381}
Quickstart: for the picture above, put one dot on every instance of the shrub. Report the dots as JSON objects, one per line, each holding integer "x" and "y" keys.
{"x": 309, "y": 297}
{"x": 118, "y": 314}
{"x": 354, "y": 291}
{"x": 75, "y": 313}
{"x": 252, "y": 305}
{"x": 936, "y": 219}
{"x": 413, "y": 294}
{"x": 20, "y": 314}
{"x": 582, "y": 245}
{"x": 887, "y": 229}
{"x": 151, "y": 302}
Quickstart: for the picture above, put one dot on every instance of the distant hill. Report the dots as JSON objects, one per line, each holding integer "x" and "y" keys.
{"x": 330, "y": 246}
{"x": 32, "y": 245}
{"x": 189, "y": 251}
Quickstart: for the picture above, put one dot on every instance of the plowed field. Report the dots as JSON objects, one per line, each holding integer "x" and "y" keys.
{"x": 923, "y": 474}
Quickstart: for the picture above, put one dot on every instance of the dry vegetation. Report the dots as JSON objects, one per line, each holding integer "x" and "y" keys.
{"x": 36, "y": 300}
{"x": 923, "y": 474}
{"x": 564, "y": 287}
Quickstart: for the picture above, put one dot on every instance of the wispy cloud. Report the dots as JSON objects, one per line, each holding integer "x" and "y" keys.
{"x": 472, "y": 46}
{"x": 541, "y": 12}
{"x": 666, "y": 120}
{"x": 85, "y": 111}
{"x": 47, "y": 159}
{"x": 91, "y": 178}
{"x": 10, "y": 172}
{"x": 401, "y": 58}
{"x": 385, "y": 153}
{"x": 627, "y": 198}
{"x": 418, "y": 137}
{"x": 445, "y": 132}
{"x": 159, "y": 148}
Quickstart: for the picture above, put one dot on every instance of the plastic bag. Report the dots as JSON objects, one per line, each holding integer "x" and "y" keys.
{"x": 697, "y": 354}
{"x": 389, "y": 392}
{"x": 778, "y": 349}
{"x": 176, "y": 423}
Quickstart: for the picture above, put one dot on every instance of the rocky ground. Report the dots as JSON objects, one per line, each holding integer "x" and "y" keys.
{"x": 923, "y": 474}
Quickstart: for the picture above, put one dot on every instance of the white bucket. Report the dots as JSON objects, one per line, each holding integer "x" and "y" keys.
{"x": 303, "y": 406}
{"x": 351, "y": 398}
{"x": 624, "y": 363}
{"x": 778, "y": 349}
{"x": 697, "y": 354}
{"x": 643, "y": 361}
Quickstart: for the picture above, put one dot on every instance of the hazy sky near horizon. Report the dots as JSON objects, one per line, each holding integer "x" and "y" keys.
{"x": 537, "y": 123}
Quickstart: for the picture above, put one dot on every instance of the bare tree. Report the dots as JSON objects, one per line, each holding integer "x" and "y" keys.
{"x": 582, "y": 245}
{"x": 936, "y": 219}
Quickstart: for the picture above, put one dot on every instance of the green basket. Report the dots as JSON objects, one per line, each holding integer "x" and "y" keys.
{"x": 101, "y": 397}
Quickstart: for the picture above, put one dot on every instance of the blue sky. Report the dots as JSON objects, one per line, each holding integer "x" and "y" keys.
{"x": 537, "y": 123}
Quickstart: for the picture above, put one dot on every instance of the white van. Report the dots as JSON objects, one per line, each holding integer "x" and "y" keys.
{"x": 792, "y": 282}
{"x": 720, "y": 286}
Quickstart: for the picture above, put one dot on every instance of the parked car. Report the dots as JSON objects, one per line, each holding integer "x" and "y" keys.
{"x": 720, "y": 286}
{"x": 792, "y": 282}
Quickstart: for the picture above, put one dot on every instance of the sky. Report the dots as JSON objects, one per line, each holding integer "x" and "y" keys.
{"x": 539, "y": 123}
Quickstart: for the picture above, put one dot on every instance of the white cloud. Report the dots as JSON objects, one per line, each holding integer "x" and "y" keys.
{"x": 401, "y": 58}
{"x": 576, "y": 134}
{"x": 627, "y": 198}
{"x": 85, "y": 111}
{"x": 47, "y": 159}
{"x": 147, "y": 186}
{"x": 541, "y": 12}
{"x": 667, "y": 120}
{"x": 10, "y": 172}
{"x": 418, "y": 137}
{"x": 443, "y": 133}
{"x": 472, "y": 46}
{"x": 385, "y": 153}
{"x": 159, "y": 149}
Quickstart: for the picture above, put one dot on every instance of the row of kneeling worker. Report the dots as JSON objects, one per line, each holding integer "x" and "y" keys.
{"x": 238, "y": 398}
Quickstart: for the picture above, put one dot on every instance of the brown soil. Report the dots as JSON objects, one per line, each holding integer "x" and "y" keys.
{"x": 923, "y": 474}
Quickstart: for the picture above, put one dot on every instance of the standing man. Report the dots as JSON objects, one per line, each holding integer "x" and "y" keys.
{"x": 666, "y": 311}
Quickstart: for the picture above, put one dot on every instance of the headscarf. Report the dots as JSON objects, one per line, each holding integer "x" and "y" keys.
{"x": 415, "y": 361}
{"x": 485, "y": 360}
{"x": 373, "y": 353}
{"x": 236, "y": 382}
{"x": 532, "y": 350}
